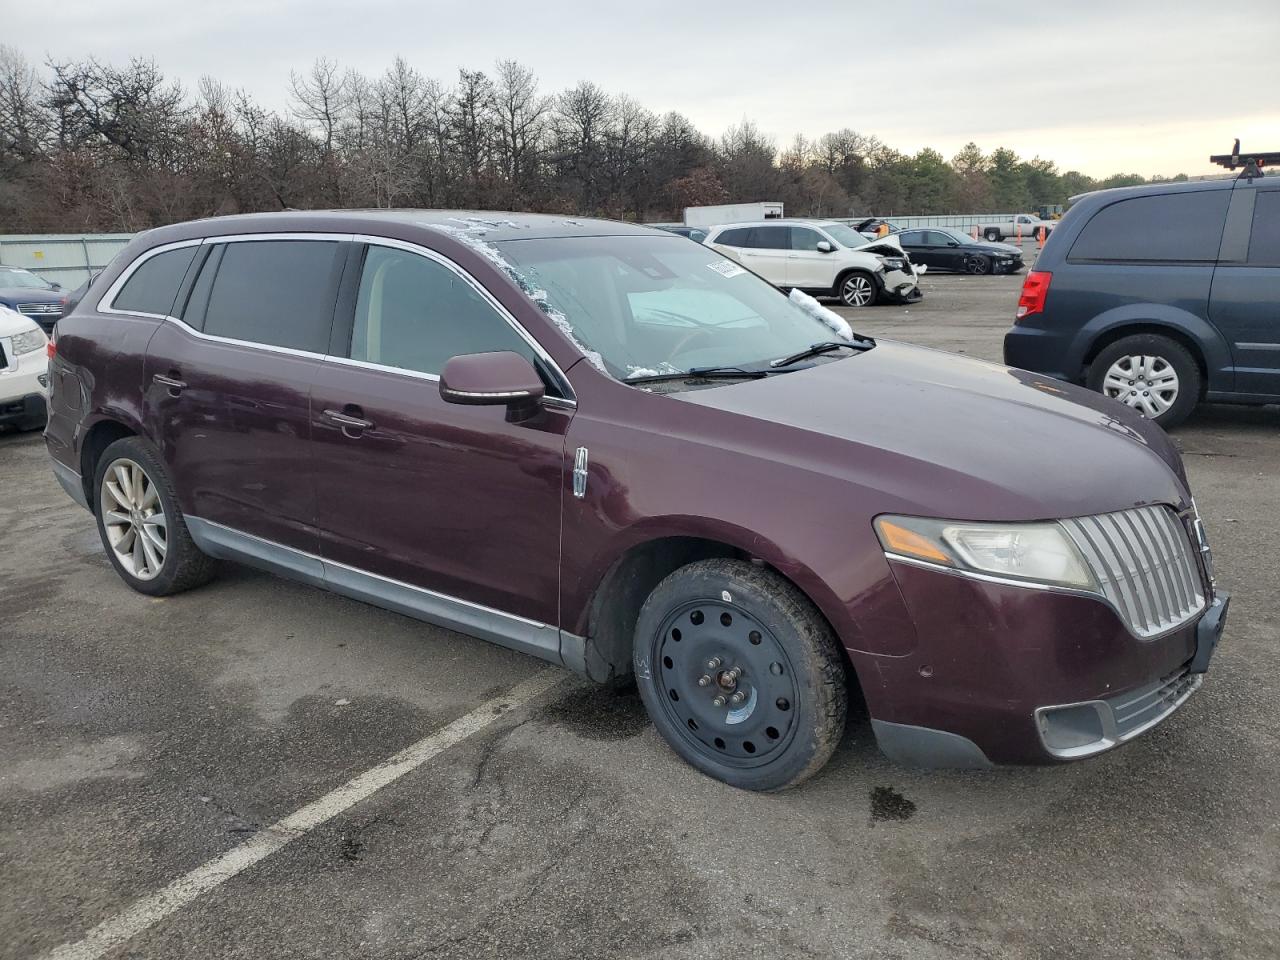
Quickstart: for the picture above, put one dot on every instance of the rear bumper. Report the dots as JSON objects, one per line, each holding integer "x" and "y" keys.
{"x": 1052, "y": 352}
{"x": 1005, "y": 674}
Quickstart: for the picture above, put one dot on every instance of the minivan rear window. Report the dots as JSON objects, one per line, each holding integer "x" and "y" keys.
{"x": 153, "y": 286}
{"x": 277, "y": 292}
{"x": 1264, "y": 243}
{"x": 1180, "y": 227}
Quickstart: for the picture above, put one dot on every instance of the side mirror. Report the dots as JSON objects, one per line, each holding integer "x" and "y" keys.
{"x": 952, "y": 243}
{"x": 56, "y": 285}
{"x": 824, "y": 246}
{"x": 493, "y": 379}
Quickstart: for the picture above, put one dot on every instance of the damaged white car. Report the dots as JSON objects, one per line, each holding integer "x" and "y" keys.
{"x": 823, "y": 258}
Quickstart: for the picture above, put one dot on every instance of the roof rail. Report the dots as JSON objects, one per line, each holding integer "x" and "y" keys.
{"x": 1252, "y": 162}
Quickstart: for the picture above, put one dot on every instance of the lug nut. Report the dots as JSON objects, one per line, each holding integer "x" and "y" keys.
{"x": 718, "y": 701}
{"x": 713, "y": 663}
{"x": 738, "y": 697}
{"x": 735, "y": 673}
{"x": 704, "y": 681}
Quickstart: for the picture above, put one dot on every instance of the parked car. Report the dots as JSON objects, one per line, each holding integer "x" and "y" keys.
{"x": 696, "y": 234}
{"x": 945, "y": 248}
{"x": 1023, "y": 225}
{"x": 32, "y": 296}
{"x": 1160, "y": 297}
{"x": 24, "y": 366}
{"x": 622, "y": 452}
{"x": 822, "y": 258}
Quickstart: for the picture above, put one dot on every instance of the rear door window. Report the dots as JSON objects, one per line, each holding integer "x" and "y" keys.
{"x": 1177, "y": 227}
{"x": 769, "y": 238}
{"x": 274, "y": 292}
{"x": 1264, "y": 241}
{"x": 152, "y": 287}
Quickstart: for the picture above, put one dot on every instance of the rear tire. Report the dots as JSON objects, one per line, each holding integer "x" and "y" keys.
{"x": 775, "y": 722}
{"x": 141, "y": 527}
{"x": 857, "y": 288}
{"x": 1154, "y": 375}
{"x": 992, "y": 235}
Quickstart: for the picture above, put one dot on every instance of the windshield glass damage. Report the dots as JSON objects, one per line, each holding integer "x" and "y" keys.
{"x": 644, "y": 307}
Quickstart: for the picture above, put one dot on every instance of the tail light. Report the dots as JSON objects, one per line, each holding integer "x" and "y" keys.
{"x": 51, "y": 348}
{"x": 1034, "y": 290}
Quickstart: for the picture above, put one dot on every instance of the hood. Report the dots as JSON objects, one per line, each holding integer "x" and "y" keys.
{"x": 1000, "y": 247}
{"x": 945, "y": 436}
{"x": 12, "y": 322}
{"x": 889, "y": 246}
{"x": 30, "y": 295}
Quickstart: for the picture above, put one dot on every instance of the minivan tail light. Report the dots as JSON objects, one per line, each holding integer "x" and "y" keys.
{"x": 1034, "y": 290}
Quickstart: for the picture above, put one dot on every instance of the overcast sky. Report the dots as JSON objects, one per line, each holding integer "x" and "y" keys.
{"x": 1102, "y": 86}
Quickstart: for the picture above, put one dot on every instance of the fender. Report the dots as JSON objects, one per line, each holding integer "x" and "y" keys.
{"x": 1213, "y": 348}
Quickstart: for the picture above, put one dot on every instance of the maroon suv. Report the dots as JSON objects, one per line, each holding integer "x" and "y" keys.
{"x": 614, "y": 449}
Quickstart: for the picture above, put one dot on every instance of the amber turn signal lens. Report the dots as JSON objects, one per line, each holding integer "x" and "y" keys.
{"x": 898, "y": 539}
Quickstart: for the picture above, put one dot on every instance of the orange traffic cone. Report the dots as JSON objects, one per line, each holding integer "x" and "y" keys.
{"x": 1041, "y": 234}
{"x": 974, "y": 232}
{"x": 1017, "y": 232}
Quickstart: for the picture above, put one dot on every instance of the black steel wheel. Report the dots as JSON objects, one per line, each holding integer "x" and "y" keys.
{"x": 740, "y": 674}
{"x": 977, "y": 264}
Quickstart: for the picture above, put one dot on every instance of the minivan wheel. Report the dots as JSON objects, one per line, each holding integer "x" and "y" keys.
{"x": 857, "y": 289}
{"x": 741, "y": 674}
{"x": 1155, "y": 375}
{"x": 142, "y": 529}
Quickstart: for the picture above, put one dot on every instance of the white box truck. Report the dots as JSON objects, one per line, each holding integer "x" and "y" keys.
{"x": 732, "y": 213}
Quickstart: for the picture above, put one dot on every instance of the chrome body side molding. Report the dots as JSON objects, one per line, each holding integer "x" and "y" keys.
{"x": 540, "y": 640}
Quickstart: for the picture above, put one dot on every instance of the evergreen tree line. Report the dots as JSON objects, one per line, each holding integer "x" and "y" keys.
{"x": 88, "y": 146}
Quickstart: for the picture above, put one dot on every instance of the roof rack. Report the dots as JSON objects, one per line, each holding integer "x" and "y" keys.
{"x": 1252, "y": 162}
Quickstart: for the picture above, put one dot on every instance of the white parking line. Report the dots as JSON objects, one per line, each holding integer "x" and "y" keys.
{"x": 154, "y": 907}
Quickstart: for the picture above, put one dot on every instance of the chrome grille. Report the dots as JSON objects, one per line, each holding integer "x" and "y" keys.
{"x": 40, "y": 309}
{"x": 1144, "y": 564}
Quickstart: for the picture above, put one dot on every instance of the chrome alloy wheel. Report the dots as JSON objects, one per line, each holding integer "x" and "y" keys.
{"x": 1148, "y": 384}
{"x": 857, "y": 291}
{"x": 727, "y": 682}
{"x": 134, "y": 519}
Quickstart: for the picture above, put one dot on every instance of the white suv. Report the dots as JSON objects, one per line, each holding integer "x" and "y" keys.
{"x": 822, "y": 258}
{"x": 24, "y": 371}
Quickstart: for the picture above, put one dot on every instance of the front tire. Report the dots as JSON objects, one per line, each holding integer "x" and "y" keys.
{"x": 141, "y": 527}
{"x": 1155, "y": 375}
{"x": 857, "y": 288}
{"x": 977, "y": 264}
{"x": 741, "y": 674}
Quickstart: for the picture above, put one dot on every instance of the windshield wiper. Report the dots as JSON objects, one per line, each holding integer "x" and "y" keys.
{"x": 702, "y": 373}
{"x": 826, "y": 346}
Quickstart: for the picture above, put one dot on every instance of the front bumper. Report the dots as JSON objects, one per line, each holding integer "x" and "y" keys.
{"x": 899, "y": 286}
{"x": 1007, "y": 674}
{"x": 29, "y": 411}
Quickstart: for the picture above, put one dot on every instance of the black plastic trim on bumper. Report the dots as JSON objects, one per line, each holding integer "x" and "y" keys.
{"x": 71, "y": 482}
{"x": 925, "y": 747}
{"x": 28, "y": 409}
{"x": 1209, "y": 631}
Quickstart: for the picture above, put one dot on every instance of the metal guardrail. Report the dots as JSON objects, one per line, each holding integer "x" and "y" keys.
{"x": 963, "y": 221}
{"x": 65, "y": 258}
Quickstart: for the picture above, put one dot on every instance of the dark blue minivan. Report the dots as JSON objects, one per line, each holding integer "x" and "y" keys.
{"x": 1160, "y": 296}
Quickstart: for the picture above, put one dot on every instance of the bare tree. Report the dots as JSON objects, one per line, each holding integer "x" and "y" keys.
{"x": 521, "y": 120}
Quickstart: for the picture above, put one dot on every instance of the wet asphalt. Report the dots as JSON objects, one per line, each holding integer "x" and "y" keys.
{"x": 139, "y": 738}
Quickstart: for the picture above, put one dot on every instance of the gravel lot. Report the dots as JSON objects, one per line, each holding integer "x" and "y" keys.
{"x": 141, "y": 738}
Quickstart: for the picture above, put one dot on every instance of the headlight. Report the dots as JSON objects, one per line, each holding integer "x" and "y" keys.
{"x": 1039, "y": 552}
{"x": 29, "y": 341}
{"x": 894, "y": 263}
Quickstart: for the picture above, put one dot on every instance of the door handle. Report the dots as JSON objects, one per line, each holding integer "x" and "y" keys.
{"x": 348, "y": 421}
{"x": 174, "y": 385}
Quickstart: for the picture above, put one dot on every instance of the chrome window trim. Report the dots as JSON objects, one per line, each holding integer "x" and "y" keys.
{"x": 560, "y": 403}
{"x": 485, "y": 294}
{"x": 231, "y": 341}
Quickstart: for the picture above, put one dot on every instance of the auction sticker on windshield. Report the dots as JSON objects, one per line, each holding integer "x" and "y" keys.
{"x": 727, "y": 268}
